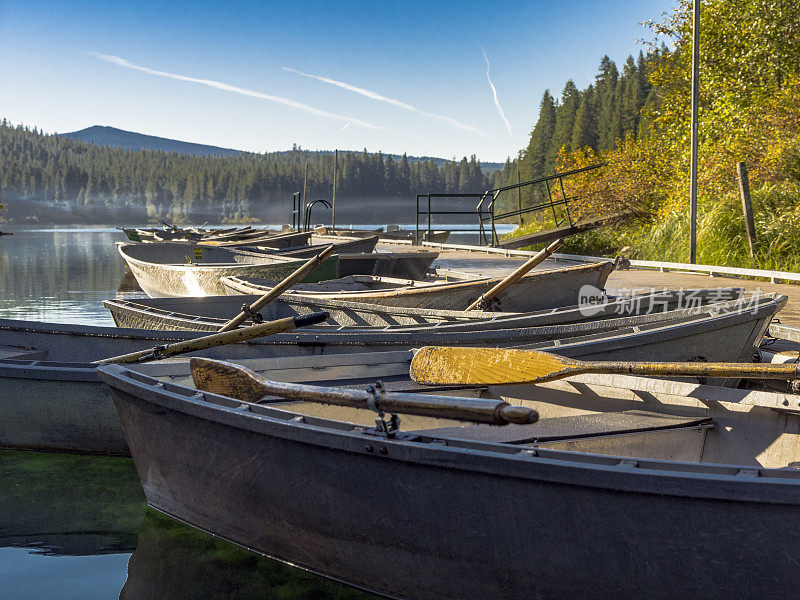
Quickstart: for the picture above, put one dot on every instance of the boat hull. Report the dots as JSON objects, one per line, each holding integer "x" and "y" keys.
{"x": 261, "y": 238}
{"x": 423, "y": 520}
{"x": 343, "y": 246}
{"x": 165, "y": 270}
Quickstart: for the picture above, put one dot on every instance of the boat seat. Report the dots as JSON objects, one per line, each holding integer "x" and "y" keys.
{"x": 571, "y": 428}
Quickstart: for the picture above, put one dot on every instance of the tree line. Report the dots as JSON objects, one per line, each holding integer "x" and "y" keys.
{"x": 151, "y": 185}
{"x": 180, "y": 187}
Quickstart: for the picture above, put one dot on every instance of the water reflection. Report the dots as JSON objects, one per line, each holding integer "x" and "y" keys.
{"x": 69, "y": 523}
{"x": 175, "y": 561}
{"x": 59, "y": 275}
{"x": 69, "y": 504}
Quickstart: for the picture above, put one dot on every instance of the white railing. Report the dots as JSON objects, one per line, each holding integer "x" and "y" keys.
{"x": 711, "y": 270}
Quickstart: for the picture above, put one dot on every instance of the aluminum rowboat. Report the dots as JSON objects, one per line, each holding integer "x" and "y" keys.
{"x": 673, "y": 502}
{"x": 172, "y": 269}
{"x": 211, "y": 312}
{"x": 537, "y": 290}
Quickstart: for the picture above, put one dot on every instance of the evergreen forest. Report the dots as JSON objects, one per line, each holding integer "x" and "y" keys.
{"x": 57, "y": 178}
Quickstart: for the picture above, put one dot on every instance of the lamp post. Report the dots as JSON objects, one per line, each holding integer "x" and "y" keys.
{"x": 695, "y": 102}
{"x": 335, "y": 172}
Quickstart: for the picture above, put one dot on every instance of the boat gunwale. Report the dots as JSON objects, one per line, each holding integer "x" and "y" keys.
{"x": 269, "y": 259}
{"x": 436, "y": 316}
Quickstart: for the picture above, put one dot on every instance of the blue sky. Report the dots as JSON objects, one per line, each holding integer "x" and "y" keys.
{"x": 260, "y": 76}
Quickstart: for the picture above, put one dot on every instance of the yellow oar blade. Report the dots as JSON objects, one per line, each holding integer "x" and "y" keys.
{"x": 437, "y": 365}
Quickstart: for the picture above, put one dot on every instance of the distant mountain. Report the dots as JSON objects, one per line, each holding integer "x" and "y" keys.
{"x": 130, "y": 140}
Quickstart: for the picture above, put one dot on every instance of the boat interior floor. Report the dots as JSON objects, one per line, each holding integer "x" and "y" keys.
{"x": 19, "y": 353}
{"x": 573, "y": 427}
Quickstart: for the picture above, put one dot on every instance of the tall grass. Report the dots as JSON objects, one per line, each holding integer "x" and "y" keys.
{"x": 721, "y": 237}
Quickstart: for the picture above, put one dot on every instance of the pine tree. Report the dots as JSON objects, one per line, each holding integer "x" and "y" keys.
{"x": 566, "y": 113}
{"x": 632, "y": 99}
{"x": 605, "y": 103}
{"x": 585, "y": 131}
{"x": 537, "y": 160}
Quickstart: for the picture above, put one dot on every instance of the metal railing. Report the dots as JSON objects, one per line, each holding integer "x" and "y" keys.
{"x": 297, "y": 211}
{"x": 301, "y": 215}
{"x": 430, "y": 212}
{"x": 309, "y": 206}
{"x": 485, "y": 210}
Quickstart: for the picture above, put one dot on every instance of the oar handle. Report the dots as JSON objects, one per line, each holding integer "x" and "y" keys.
{"x": 284, "y": 285}
{"x": 698, "y": 369}
{"x": 219, "y": 339}
{"x": 244, "y": 384}
{"x": 538, "y": 258}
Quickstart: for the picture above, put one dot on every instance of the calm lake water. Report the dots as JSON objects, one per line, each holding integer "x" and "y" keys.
{"x": 60, "y": 275}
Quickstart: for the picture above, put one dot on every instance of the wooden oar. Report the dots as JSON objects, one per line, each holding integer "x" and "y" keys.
{"x": 248, "y": 311}
{"x": 239, "y": 382}
{"x": 515, "y": 275}
{"x": 219, "y": 339}
{"x": 435, "y": 365}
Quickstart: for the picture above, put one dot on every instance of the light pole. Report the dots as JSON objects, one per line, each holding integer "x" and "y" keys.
{"x": 695, "y": 102}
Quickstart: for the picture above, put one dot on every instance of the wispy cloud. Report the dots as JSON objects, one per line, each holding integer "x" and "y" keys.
{"x": 236, "y": 90}
{"x": 494, "y": 94}
{"x": 392, "y": 101}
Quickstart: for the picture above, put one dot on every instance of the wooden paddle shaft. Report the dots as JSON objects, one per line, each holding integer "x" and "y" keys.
{"x": 514, "y": 276}
{"x": 244, "y": 384}
{"x": 695, "y": 369}
{"x": 284, "y": 285}
{"x": 219, "y": 339}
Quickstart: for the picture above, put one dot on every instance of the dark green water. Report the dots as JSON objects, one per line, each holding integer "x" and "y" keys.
{"x": 77, "y": 527}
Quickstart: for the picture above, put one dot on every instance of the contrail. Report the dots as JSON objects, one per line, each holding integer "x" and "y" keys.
{"x": 346, "y": 125}
{"x": 236, "y": 90}
{"x": 494, "y": 93}
{"x": 392, "y": 101}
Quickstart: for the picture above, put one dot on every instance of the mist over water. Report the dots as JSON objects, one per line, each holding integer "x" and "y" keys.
{"x": 130, "y": 210}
